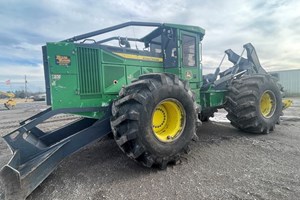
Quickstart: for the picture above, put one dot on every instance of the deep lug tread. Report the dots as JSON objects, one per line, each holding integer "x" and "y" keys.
{"x": 246, "y": 94}
{"x": 195, "y": 138}
{"x": 242, "y": 103}
{"x": 231, "y": 101}
{"x": 137, "y": 151}
{"x": 234, "y": 90}
{"x": 157, "y": 76}
{"x": 187, "y": 149}
{"x": 176, "y": 160}
{"x": 125, "y": 122}
{"x": 137, "y": 97}
{"x": 129, "y": 135}
{"x": 118, "y": 120}
{"x": 247, "y": 116}
{"x": 231, "y": 117}
{"x": 132, "y": 115}
{"x": 246, "y": 105}
{"x": 176, "y": 80}
{"x": 148, "y": 161}
{"x": 186, "y": 85}
{"x": 250, "y": 125}
{"x": 163, "y": 163}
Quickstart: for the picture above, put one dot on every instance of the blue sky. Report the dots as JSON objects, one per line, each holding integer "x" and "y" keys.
{"x": 273, "y": 27}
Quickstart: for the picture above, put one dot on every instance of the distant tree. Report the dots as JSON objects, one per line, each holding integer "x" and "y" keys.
{"x": 20, "y": 94}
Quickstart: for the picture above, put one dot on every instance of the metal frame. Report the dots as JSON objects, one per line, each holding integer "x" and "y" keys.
{"x": 46, "y": 75}
{"x": 112, "y": 28}
{"x": 118, "y": 38}
{"x": 241, "y": 66}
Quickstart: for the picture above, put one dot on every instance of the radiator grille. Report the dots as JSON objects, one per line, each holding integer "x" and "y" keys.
{"x": 89, "y": 71}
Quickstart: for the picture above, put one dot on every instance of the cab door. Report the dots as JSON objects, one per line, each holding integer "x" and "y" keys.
{"x": 190, "y": 57}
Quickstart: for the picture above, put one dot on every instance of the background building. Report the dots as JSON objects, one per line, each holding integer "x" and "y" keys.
{"x": 290, "y": 80}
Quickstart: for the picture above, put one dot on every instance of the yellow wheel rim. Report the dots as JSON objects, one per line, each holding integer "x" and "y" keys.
{"x": 168, "y": 120}
{"x": 267, "y": 104}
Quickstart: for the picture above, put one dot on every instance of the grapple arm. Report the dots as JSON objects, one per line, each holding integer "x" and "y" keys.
{"x": 253, "y": 58}
{"x": 251, "y": 65}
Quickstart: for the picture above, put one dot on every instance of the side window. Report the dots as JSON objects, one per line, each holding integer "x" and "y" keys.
{"x": 189, "y": 50}
{"x": 155, "y": 46}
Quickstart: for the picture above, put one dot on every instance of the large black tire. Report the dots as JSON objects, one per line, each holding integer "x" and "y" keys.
{"x": 254, "y": 103}
{"x": 133, "y": 113}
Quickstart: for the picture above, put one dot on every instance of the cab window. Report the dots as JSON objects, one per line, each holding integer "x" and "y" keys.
{"x": 189, "y": 50}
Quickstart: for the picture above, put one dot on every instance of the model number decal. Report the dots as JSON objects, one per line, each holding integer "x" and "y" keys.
{"x": 62, "y": 60}
{"x": 56, "y": 77}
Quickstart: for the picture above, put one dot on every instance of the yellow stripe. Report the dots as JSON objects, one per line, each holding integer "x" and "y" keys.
{"x": 139, "y": 57}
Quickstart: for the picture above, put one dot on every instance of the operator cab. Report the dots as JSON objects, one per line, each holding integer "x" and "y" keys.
{"x": 180, "y": 47}
{"x": 172, "y": 40}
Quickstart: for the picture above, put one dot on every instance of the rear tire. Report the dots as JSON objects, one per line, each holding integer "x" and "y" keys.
{"x": 254, "y": 103}
{"x": 154, "y": 119}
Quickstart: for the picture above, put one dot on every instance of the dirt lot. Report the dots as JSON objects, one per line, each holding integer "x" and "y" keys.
{"x": 224, "y": 164}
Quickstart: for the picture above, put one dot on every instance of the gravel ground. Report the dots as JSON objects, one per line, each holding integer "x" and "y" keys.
{"x": 224, "y": 164}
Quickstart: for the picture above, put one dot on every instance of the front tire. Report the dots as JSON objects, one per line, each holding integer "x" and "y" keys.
{"x": 254, "y": 103}
{"x": 154, "y": 119}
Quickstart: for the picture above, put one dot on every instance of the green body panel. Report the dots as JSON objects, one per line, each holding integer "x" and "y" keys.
{"x": 212, "y": 98}
{"x": 92, "y": 78}
{"x": 87, "y": 75}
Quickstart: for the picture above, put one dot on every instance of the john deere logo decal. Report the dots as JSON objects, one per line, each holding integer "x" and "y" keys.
{"x": 188, "y": 75}
{"x": 62, "y": 60}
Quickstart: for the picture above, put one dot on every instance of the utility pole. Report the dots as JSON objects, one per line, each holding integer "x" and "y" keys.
{"x": 25, "y": 89}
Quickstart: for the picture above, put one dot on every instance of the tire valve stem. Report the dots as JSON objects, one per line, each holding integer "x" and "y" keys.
{"x": 169, "y": 137}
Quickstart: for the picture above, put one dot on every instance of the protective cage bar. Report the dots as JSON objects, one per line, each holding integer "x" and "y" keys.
{"x": 37, "y": 153}
{"x": 112, "y": 28}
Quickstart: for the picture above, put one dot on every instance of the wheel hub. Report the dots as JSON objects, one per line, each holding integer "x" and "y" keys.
{"x": 267, "y": 104}
{"x": 168, "y": 120}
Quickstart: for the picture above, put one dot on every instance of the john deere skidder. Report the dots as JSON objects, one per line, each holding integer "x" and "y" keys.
{"x": 151, "y": 99}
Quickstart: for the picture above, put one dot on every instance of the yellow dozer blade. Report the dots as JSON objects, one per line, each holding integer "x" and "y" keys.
{"x": 286, "y": 103}
{"x": 11, "y": 103}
